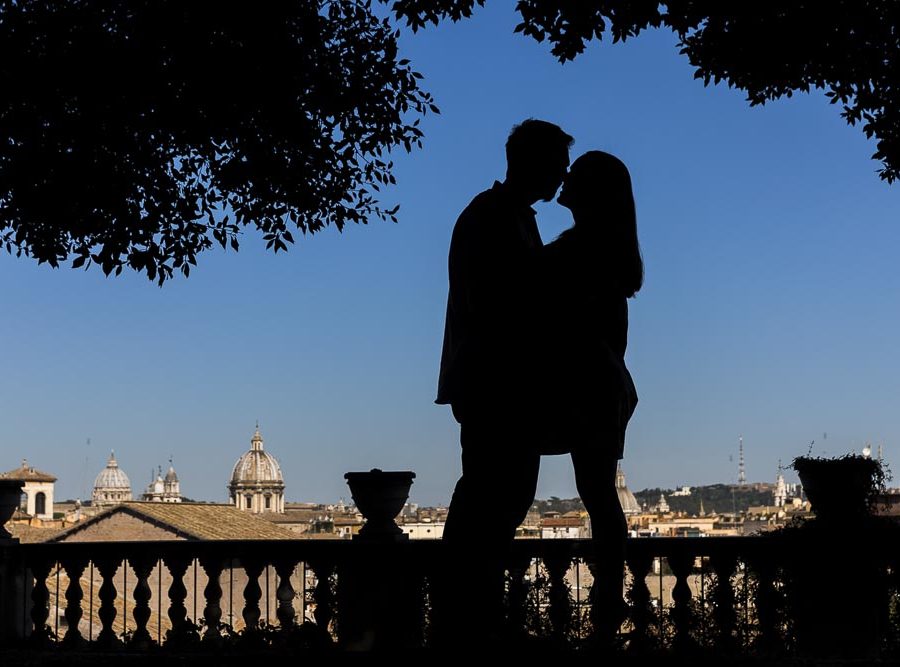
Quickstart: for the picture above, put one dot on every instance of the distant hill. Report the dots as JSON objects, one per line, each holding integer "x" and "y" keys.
{"x": 561, "y": 505}
{"x": 718, "y": 498}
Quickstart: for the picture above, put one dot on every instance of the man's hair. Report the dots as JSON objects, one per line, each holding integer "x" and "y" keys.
{"x": 533, "y": 139}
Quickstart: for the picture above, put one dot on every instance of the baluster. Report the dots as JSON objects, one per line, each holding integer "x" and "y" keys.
{"x": 765, "y": 602}
{"x": 40, "y": 600}
{"x": 639, "y": 562}
{"x": 212, "y": 612}
{"x": 323, "y": 594}
{"x": 681, "y": 563}
{"x": 419, "y": 602}
{"x": 437, "y": 621}
{"x": 177, "y": 565}
{"x": 284, "y": 593}
{"x": 724, "y": 564}
{"x": 142, "y": 566}
{"x": 560, "y": 610}
{"x": 518, "y": 592}
{"x": 608, "y": 609}
{"x": 107, "y": 566}
{"x": 252, "y": 592}
{"x": 74, "y": 566}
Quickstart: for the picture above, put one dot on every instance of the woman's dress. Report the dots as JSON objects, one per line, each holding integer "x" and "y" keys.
{"x": 591, "y": 395}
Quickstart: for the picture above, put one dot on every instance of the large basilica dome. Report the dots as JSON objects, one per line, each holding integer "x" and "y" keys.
{"x": 257, "y": 484}
{"x": 112, "y": 485}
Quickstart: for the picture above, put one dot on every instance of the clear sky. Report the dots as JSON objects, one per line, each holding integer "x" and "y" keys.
{"x": 770, "y": 307}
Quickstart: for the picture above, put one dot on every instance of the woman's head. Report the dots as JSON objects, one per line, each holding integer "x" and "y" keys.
{"x": 597, "y": 190}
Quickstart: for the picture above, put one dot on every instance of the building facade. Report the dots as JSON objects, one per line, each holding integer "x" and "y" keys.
{"x": 37, "y": 494}
{"x": 164, "y": 489}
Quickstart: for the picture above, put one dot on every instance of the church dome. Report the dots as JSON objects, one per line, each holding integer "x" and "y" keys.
{"x": 111, "y": 485}
{"x": 171, "y": 476}
{"x": 256, "y": 465}
{"x": 627, "y": 500}
{"x": 112, "y": 476}
{"x": 257, "y": 484}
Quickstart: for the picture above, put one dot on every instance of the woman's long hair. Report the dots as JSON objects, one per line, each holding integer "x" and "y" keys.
{"x": 604, "y": 185}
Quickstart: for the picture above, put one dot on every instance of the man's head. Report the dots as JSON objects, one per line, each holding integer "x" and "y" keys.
{"x": 537, "y": 156}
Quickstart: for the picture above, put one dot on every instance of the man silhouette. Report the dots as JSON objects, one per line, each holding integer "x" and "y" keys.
{"x": 487, "y": 363}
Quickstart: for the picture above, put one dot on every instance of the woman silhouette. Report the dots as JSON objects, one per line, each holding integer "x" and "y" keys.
{"x": 592, "y": 269}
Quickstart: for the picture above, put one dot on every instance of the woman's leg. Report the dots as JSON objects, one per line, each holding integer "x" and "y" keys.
{"x": 595, "y": 478}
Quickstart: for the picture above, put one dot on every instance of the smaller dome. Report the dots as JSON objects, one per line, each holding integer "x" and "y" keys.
{"x": 156, "y": 486}
{"x": 171, "y": 476}
{"x": 112, "y": 476}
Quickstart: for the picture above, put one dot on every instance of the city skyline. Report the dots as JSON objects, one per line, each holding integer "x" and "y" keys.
{"x": 139, "y": 484}
{"x": 769, "y": 308}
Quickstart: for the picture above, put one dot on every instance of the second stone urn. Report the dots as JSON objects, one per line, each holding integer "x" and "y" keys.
{"x": 379, "y": 585}
{"x": 380, "y": 495}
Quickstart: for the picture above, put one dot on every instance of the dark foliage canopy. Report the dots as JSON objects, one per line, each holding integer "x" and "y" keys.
{"x": 138, "y": 134}
{"x": 848, "y": 48}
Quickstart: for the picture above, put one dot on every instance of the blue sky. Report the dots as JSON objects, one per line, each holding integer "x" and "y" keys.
{"x": 770, "y": 307}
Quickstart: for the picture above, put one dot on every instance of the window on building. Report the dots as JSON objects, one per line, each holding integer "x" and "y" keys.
{"x": 23, "y": 502}
{"x": 249, "y": 501}
{"x": 40, "y": 503}
{"x": 268, "y": 502}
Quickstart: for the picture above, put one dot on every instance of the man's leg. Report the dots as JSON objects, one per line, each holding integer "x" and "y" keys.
{"x": 491, "y": 499}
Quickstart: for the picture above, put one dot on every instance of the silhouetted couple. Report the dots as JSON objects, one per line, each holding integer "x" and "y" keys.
{"x": 533, "y": 363}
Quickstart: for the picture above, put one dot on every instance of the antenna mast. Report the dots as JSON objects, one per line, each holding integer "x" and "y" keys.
{"x": 742, "y": 477}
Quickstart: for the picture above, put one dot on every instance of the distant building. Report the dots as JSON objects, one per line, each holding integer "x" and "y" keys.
{"x": 37, "y": 492}
{"x": 347, "y": 524}
{"x": 257, "y": 484}
{"x": 112, "y": 485}
{"x": 423, "y": 530}
{"x": 164, "y": 489}
{"x": 569, "y": 526}
{"x": 781, "y": 492}
{"x": 662, "y": 507}
{"x": 629, "y": 503}
{"x": 305, "y": 518}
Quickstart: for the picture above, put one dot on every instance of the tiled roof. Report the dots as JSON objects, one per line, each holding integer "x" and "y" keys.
{"x": 293, "y": 516}
{"x": 31, "y": 534}
{"x": 27, "y": 473}
{"x": 347, "y": 521}
{"x": 562, "y": 522}
{"x": 195, "y": 521}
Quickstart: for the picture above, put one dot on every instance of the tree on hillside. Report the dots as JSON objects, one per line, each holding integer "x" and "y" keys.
{"x": 139, "y": 134}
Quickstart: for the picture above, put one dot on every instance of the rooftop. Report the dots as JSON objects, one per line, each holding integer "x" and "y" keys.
{"x": 194, "y": 521}
{"x": 28, "y": 473}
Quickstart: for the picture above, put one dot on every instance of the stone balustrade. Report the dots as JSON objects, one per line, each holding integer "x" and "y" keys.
{"x": 729, "y": 594}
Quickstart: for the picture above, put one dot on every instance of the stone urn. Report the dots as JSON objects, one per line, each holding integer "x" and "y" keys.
{"x": 10, "y": 494}
{"x": 840, "y": 489}
{"x": 836, "y": 562}
{"x": 380, "y": 495}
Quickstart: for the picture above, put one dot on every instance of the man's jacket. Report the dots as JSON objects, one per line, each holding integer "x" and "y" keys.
{"x": 488, "y": 350}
